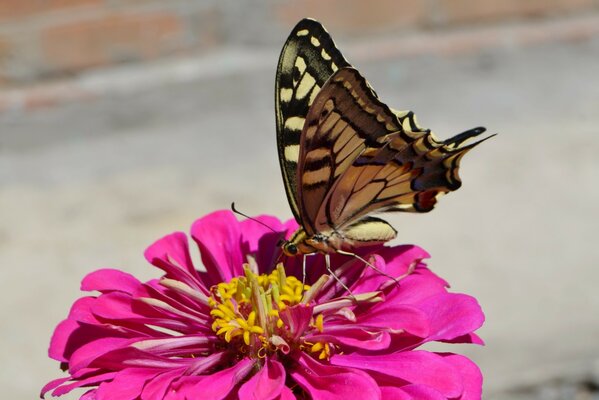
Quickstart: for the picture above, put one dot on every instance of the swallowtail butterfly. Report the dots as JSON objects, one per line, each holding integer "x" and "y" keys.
{"x": 345, "y": 155}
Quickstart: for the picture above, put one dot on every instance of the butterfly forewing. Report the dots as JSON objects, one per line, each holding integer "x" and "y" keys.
{"x": 308, "y": 59}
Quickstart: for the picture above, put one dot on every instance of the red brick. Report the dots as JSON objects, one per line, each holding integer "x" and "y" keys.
{"x": 15, "y": 9}
{"x": 111, "y": 39}
{"x": 455, "y": 11}
{"x": 347, "y": 16}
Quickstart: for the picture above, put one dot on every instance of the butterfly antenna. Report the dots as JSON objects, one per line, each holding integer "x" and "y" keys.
{"x": 253, "y": 219}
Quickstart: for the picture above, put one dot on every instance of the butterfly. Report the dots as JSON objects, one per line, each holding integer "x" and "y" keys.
{"x": 345, "y": 155}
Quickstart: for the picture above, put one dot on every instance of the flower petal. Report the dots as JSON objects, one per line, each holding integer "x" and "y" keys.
{"x": 472, "y": 378}
{"x": 157, "y": 387}
{"x": 171, "y": 254}
{"x": 422, "y": 392}
{"x": 218, "y": 385}
{"x": 297, "y": 318}
{"x": 126, "y": 385}
{"x": 266, "y": 384}
{"x": 218, "y": 238}
{"x": 327, "y": 382}
{"x": 109, "y": 280}
{"x": 396, "y": 316}
{"x": 419, "y": 367}
{"x": 452, "y": 315}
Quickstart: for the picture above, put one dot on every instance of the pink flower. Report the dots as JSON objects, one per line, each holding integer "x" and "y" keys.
{"x": 245, "y": 328}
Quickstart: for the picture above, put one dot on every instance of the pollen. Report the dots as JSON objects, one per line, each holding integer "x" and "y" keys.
{"x": 246, "y": 312}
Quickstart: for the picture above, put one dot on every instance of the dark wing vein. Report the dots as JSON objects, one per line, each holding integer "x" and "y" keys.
{"x": 309, "y": 57}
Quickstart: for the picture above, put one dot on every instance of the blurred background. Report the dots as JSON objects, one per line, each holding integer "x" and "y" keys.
{"x": 124, "y": 120}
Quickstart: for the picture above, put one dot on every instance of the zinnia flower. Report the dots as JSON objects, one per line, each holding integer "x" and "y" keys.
{"x": 245, "y": 327}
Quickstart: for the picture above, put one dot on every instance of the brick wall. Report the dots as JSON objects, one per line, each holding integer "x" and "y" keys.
{"x": 50, "y": 38}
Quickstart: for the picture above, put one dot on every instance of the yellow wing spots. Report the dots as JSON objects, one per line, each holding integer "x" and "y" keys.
{"x": 303, "y": 32}
{"x": 325, "y": 55}
{"x": 313, "y": 94}
{"x": 369, "y": 110}
{"x": 315, "y": 42}
{"x": 380, "y": 118}
{"x": 292, "y": 152}
{"x": 295, "y": 123}
{"x": 314, "y": 177}
{"x": 305, "y": 85}
{"x": 406, "y": 125}
{"x": 400, "y": 113}
{"x": 317, "y": 154}
{"x": 390, "y": 127}
{"x": 334, "y": 67}
{"x": 285, "y": 95}
{"x": 419, "y": 146}
{"x": 300, "y": 64}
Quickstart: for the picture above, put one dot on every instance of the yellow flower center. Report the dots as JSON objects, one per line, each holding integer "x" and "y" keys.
{"x": 246, "y": 314}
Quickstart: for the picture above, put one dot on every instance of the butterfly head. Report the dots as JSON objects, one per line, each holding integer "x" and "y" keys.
{"x": 296, "y": 244}
{"x": 290, "y": 249}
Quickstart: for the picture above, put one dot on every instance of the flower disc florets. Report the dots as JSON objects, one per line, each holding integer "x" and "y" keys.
{"x": 250, "y": 315}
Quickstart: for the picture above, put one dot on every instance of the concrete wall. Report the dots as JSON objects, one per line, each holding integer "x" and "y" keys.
{"x": 56, "y": 38}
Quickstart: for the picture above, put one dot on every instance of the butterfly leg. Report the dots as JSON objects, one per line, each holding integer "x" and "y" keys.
{"x": 378, "y": 270}
{"x": 304, "y": 269}
{"x": 327, "y": 259}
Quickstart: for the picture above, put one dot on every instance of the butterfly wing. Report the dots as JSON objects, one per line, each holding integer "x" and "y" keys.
{"x": 308, "y": 59}
{"x": 358, "y": 156}
{"x": 345, "y": 119}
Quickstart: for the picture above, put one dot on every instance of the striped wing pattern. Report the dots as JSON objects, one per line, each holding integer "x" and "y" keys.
{"x": 357, "y": 156}
{"x": 344, "y": 154}
{"x": 308, "y": 59}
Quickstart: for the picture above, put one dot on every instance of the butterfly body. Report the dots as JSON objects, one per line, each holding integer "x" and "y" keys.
{"x": 345, "y": 155}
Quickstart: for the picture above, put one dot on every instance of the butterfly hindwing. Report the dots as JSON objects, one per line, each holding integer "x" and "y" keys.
{"x": 345, "y": 118}
{"x": 308, "y": 59}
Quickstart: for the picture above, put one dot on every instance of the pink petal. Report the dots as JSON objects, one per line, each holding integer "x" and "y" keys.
{"x": 472, "y": 378}
{"x": 327, "y": 382}
{"x": 261, "y": 242}
{"x": 85, "y": 354}
{"x": 110, "y": 280}
{"x": 218, "y": 236}
{"x": 396, "y": 316}
{"x": 416, "y": 288}
{"x": 398, "y": 259}
{"x": 92, "y": 380}
{"x": 127, "y": 384}
{"x": 467, "y": 338}
{"x": 422, "y": 392}
{"x": 157, "y": 387}
{"x": 53, "y": 384}
{"x": 452, "y": 315}
{"x": 218, "y": 385}
{"x": 171, "y": 254}
{"x": 419, "y": 367}
{"x": 353, "y": 336}
{"x": 395, "y": 393}
{"x": 266, "y": 384}
{"x": 286, "y": 394}
{"x": 297, "y": 318}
